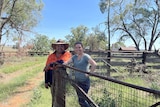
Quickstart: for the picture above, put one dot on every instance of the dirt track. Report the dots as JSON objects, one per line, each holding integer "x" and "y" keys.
{"x": 23, "y": 94}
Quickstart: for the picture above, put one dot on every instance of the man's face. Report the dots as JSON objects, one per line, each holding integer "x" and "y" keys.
{"x": 59, "y": 48}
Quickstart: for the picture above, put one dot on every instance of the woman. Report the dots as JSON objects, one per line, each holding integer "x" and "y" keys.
{"x": 82, "y": 61}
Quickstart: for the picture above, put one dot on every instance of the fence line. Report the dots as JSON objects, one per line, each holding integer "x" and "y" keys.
{"x": 5, "y": 54}
{"x": 116, "y": 81}
{"x": 115, "y": 93}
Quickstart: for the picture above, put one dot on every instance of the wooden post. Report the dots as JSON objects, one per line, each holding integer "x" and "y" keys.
{"x": 58, "y": 87}
{"x": 144, "y": 57}
{"x": 109, "y": 61}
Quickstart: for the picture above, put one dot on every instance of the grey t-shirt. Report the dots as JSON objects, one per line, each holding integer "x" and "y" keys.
{"x": 81, "y": 64}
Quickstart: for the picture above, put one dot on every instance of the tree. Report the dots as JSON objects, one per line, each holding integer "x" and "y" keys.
{"x": 92, "y": 42}
{"x": 78, "y": 34}
{"x": 138, "y": 20}
{"x": 106, "y": 6}
{"x": 19, "y": 16}
{"x": 97, "y": 39}
{"x": 117, "y": 45}
{"x": 41, "y": 43}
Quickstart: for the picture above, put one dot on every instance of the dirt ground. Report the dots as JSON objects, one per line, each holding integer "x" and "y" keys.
{"x": 23, "y": 94}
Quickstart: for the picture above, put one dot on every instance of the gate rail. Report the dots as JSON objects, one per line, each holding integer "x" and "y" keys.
{"x": 115, "y": 93}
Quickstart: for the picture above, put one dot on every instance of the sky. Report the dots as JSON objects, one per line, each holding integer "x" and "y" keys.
{"x": 59, "y": 16}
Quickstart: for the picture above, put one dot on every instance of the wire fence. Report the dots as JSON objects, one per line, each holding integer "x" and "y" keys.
{"x": 119, "y": 94}
{"x": 109, "y": 92}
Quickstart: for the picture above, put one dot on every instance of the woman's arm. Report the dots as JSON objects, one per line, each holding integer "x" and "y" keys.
{"x": 68, "y": 62}
{"x": 93, "y": 64}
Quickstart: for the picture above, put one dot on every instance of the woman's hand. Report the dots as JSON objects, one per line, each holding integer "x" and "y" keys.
{"x": 87, "y": 75}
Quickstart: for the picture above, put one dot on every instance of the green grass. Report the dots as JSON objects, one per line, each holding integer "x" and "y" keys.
{"x": 41, "y": 97}
{"x": 136, "y": 81}
{"x": 9, "y": 88}
{"x": 118, "y": 94}
{"x": 103, "y": 92}
{"x": 21, "y": 65}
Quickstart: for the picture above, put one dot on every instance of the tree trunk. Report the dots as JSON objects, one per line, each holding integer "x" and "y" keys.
{"x": 150, "y": 46}
{"x": 1, "y": 7}
{"x": 0, "y": 35}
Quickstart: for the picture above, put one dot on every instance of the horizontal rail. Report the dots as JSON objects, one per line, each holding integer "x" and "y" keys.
{"x": 116, "y": 81}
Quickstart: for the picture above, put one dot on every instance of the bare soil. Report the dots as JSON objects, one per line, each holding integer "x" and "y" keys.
{"x": 23, "y": 94}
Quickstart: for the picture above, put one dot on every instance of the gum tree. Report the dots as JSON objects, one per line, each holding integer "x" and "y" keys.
{"x": 18, "y": 16}
{"x": 138, "y": 20}
{"x": 77, "y": 34}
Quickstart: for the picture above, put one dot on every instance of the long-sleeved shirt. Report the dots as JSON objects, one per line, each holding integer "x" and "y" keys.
{"x": 52, "y": 57}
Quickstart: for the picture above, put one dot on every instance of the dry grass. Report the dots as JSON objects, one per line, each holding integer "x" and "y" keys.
{"x": 8, "y": 49}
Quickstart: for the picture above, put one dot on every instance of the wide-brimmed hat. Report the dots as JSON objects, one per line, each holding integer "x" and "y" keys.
{"x": 60, "y": 42}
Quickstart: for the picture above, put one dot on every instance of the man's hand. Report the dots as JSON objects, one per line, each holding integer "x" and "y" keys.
{"x": 46, "y": 68}
{"x": 46, "y": 85}
{"x": 60, "y": 61}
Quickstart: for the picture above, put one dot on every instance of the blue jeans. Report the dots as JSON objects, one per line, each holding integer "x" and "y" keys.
{"x": 48, "y": 76}
{"x": 85, "y": 86}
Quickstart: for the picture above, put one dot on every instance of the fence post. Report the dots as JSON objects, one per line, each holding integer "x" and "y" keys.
{"x": 109, "y": 61}
{"x": 144, "y": 57}
{"x": 58, "y": 87}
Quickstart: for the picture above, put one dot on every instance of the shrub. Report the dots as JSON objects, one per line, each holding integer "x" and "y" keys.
{"x": 106, "y": 100}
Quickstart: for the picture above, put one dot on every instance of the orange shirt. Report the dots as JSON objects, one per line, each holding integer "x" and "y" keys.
{"x": 52, "y": 57}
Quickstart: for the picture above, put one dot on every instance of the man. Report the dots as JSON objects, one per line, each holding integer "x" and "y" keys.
{"x": 59, "y": 55}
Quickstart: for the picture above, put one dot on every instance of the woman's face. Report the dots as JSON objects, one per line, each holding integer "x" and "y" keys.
{"x": 78, "y": 48}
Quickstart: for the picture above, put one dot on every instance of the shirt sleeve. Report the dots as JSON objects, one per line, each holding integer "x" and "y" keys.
{"x": 87, "y": 57}
{"x": 51, "y": 58}
{"x": 66, "y": 57}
